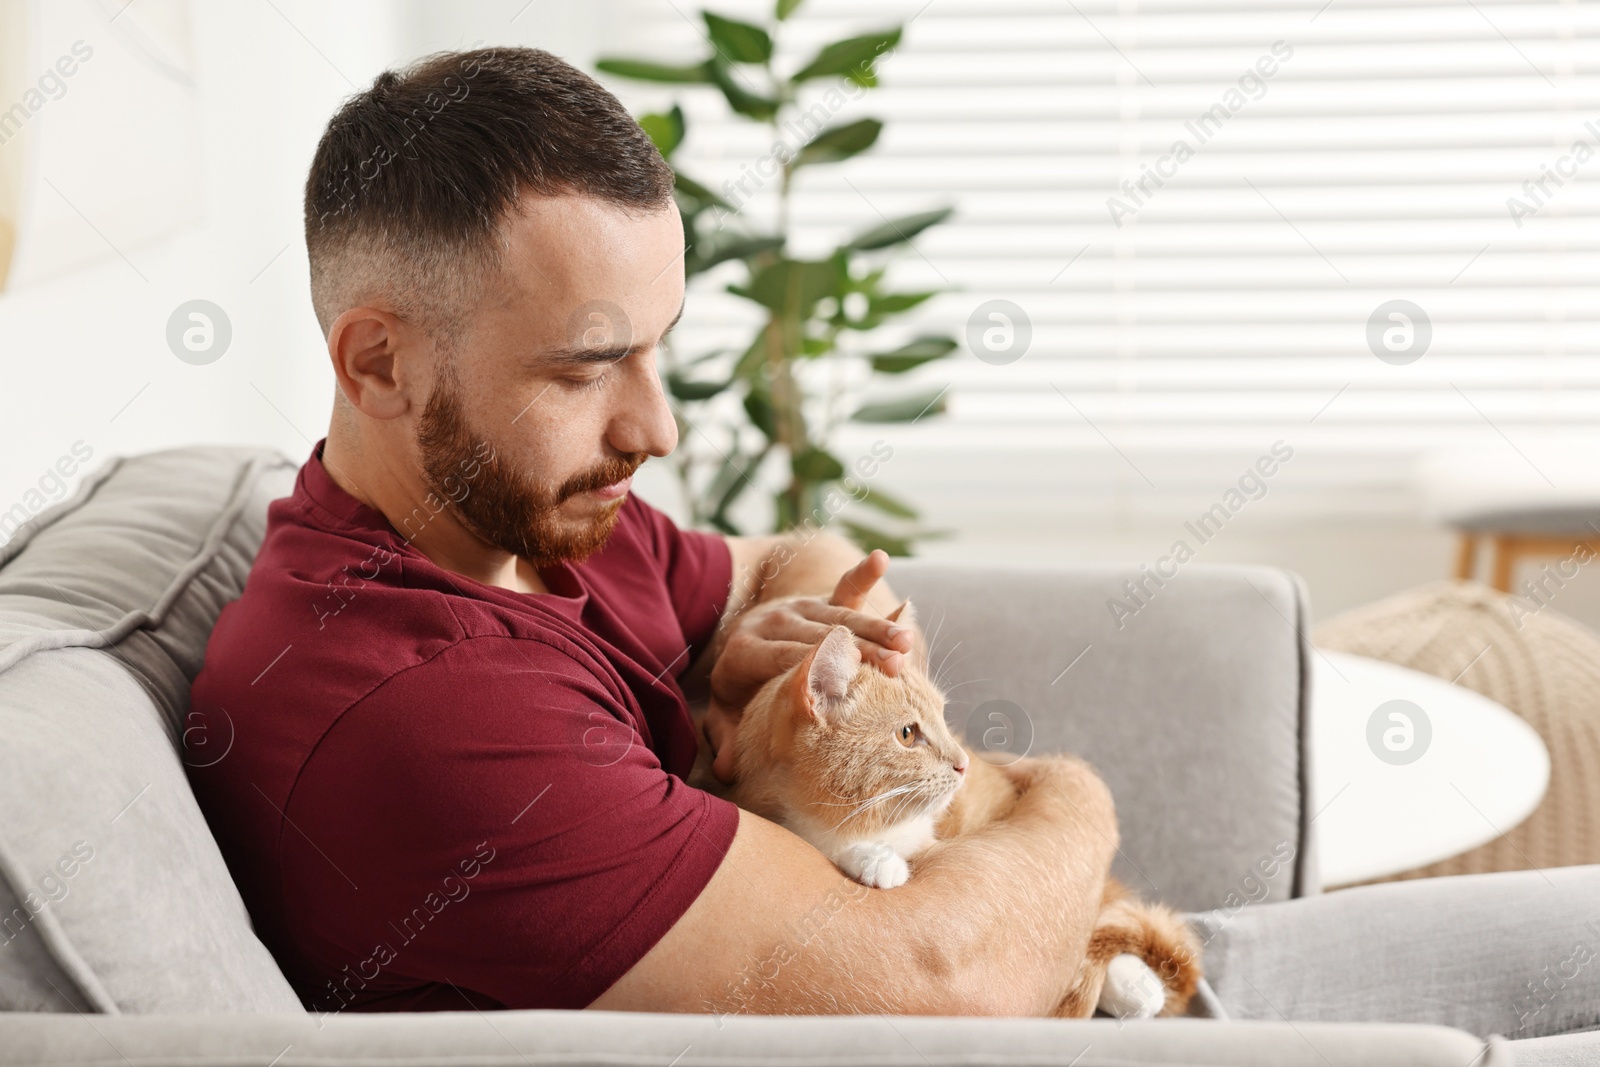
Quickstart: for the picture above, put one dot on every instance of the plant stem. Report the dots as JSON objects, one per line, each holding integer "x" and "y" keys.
{"x": 780, "y": 350}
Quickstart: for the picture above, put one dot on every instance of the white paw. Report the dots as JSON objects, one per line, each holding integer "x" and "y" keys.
{"x": 874, "y": 863}
{"x": 1132, "y": 990}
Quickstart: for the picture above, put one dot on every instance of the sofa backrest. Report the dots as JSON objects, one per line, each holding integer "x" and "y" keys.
{"x": 1193, "y": 707}
{"x": 113, "y": 894}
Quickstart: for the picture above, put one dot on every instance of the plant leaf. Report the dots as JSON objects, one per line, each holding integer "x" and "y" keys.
{"x": 882, "y": 305}
{"x": 748, "y": 365}
{"x": 684, "y": 389}
{"x": 785, "y": 8}
{"x": 758, "y": 405}
{"x": 868, "y": 539}
{"x": 790, "y": 285}
{"x": 840, "y": 142}
{"x": 645, "y": 70}
{"x": 814, "y": 464}
{"x": 738, "y": 41}
{"x": 904, "y": 409}
{"x": 854, "y": 58}
{"x": 897, "y": 230}
{"x": 742, "y": 100}
{"x": 666, "y": 129}
{"x": 689, "y": 187}
{"x": 732, "y": 480}
{"x": 894, "y": 303}
{"x": 867, "y": 283}
{"x": 719, "y": 249}
{"x": 913, "y": 354}
{"x": 885, "y": 503}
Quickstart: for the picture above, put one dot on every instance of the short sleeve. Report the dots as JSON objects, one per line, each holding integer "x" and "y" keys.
{"x": 491, "y": 820}
{"x": 699, "y": 573}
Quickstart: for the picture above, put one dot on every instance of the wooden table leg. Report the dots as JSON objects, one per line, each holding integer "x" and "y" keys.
{"x": 1505, "y": 552}
{"x": 1467, "y": 556}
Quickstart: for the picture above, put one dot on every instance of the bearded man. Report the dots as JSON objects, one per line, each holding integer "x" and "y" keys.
{"x": 461, "y": 669}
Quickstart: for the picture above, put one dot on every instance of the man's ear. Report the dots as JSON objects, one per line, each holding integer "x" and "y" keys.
{"x": 364, "y": 344}
{"x": 822, "y": 679}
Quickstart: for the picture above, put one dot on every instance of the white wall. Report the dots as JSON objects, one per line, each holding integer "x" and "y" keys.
{"x": 84, "y": 355}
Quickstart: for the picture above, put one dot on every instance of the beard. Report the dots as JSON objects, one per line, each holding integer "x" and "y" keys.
{"x": 504, "y": 507}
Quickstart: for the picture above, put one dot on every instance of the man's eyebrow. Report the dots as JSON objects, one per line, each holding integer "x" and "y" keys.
{"x": 580, "y": 356}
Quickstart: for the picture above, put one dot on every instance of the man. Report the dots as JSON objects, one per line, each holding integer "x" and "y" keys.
{"x": 459, "y": 672}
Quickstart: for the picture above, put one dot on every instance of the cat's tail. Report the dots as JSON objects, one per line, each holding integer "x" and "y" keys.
{"x": 1150, "y": 932}
{"x": 1159, "y": 936}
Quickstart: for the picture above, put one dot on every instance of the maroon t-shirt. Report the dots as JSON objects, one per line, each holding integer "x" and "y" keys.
{"x": 439, "y": 794}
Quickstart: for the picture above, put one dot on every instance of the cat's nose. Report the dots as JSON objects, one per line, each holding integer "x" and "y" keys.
{"x": 960, "y": 764}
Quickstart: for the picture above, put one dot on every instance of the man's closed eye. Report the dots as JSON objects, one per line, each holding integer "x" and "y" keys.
{"x": 585, "y": 384}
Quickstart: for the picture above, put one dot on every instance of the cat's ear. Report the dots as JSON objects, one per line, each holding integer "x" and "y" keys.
{"x": 905, "y": 614}
{"x": 824, "y": 676}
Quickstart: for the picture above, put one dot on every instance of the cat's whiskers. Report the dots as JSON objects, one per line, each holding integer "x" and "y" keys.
{"x": 938, "y": 676}
{"x": 928, "y": 792}
{"x": 931, "y": 640}
{"x": 970, "y": 681}
{"x": 939, "y": 670}
{"x": 846, "y": 801}
{"x": 870, "y": 802}
{"x": 906, "y": 801}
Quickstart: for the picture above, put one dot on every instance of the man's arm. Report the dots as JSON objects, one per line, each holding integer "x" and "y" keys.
{"x": 994, "y": 923}
{"x": 748, "y": 555}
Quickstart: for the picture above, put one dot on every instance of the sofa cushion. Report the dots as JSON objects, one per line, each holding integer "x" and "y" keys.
{"x": 113, "y": 894}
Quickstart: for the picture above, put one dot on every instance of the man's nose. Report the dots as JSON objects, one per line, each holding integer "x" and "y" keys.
{"x": 645, "y": 422}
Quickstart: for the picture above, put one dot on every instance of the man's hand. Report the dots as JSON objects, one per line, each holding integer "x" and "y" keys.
{"x": 774, "y": 635}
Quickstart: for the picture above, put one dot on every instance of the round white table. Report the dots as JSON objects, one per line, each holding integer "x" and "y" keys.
{"x": 1408, "y": 769}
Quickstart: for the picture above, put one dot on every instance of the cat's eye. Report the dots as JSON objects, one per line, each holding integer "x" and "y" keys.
{"x": 910, "y": 734}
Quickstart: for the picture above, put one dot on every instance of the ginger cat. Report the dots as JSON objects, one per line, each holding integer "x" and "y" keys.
{"x": 863, "y": 767}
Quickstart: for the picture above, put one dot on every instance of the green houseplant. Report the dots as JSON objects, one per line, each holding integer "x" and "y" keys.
{"x": 813, "y": 310}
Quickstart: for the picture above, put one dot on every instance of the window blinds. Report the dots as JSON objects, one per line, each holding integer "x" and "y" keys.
{"x": 1211, "y": 215}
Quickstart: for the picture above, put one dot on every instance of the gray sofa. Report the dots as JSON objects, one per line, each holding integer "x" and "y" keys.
{"x": 124, "y": 940}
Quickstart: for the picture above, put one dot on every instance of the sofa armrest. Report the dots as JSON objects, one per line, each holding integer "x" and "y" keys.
{"x": 1187, "y": 693}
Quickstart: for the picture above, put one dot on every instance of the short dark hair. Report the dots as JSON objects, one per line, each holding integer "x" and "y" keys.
{"x": 413, "y": 177}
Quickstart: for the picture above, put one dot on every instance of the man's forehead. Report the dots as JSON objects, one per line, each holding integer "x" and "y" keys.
{"x": 575, "y": 236}
{"x": 585, "y": 272}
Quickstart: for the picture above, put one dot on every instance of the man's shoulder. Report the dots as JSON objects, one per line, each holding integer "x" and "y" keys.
{"x": 326, "y": 616}
{"x": 332, "y": 594}
{"x": 334, "y": 713}
{"x": 468, "y": 726}
{"x": 325, "y": 648}
{"x": 483, "y": 677}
